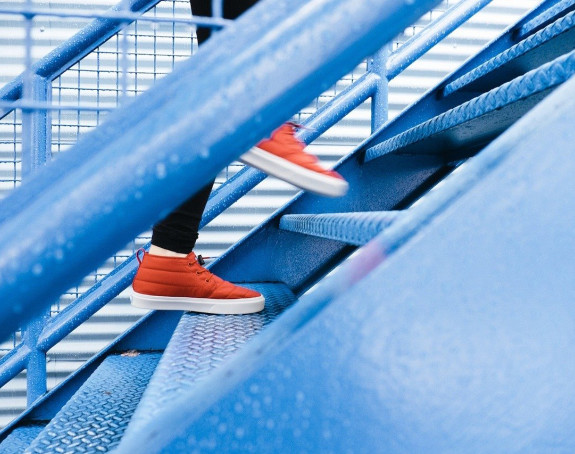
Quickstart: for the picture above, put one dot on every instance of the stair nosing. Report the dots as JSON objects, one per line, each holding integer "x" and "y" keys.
{"x": 533, "y": 82}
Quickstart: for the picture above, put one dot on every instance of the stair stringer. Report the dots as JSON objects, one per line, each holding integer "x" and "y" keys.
{"x": 459, "y": 342}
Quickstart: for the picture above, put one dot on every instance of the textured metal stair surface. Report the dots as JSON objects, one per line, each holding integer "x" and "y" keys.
{"x": 548, "y": 15}
{"x": 199, "y": 344}
{"x": 20, "y": 439}
{"x": 351, "y": 228}
{"x": 94, "y": 420}
{"x": 548, "y": 43}
{"x": 481, "y": 119}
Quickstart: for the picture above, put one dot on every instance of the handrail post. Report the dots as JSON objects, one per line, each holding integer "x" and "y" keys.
{"x": 36, "y": 151}
{"x": 36, "y": 125}
{"x": 377, "y": 64}
{"x": 36, "y": 383}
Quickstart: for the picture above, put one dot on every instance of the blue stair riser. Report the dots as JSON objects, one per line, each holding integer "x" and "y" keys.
{"x": 481, "y": 119}
{"x": 547, "y": 44}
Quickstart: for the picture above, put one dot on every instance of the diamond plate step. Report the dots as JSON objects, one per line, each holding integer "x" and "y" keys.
{"x": 94, "y": 420}
{"x": 20, "y": 438}
{"x": 554, "y": 40}
{"x": 461, "y": 131}
{"x": 351, "y": 228}
{"x": 200, "y": 343}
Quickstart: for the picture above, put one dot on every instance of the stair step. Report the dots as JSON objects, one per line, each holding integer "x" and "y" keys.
{"x": 551, "y": 42}
{"x": 352, "y": 228}
{"x": 458, "y": 133}
{"x": 200, "y": 343}
{"x": 94, "y": 420}
{"x": 20, "y": 439}
{"x": 546, "y": 16}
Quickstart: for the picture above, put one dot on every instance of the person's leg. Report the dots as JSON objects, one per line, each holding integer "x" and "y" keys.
{"x": 170, "y": 277}
{"x": 176, "y": 235}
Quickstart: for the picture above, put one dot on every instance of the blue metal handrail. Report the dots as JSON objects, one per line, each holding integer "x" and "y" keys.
{"x": 366, "y": 87}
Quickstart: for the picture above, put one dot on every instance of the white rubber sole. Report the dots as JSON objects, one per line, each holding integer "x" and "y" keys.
{"x": 204, "y": 305}
{"x": 298, "y": 176}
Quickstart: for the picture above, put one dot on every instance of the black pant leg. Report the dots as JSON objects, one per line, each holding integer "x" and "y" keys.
{"x": 178, "y": 232}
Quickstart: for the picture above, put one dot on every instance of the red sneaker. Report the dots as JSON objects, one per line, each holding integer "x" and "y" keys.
{"x": 283, "y": 156}
{"x": 182, "y": 284}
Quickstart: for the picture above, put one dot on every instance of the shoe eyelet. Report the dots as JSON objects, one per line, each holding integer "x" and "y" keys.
{"x": 207, "y": 280}
{"x": 198, "y": 273}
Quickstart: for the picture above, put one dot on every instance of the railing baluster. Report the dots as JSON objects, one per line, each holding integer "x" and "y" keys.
{"x": 377, "y": 64}
{"x": 36, "y": 130}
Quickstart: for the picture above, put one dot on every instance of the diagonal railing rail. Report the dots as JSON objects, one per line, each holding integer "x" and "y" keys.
{"x": 85, "y": 306}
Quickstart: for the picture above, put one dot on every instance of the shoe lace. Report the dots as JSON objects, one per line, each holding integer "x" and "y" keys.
{"x": 200, "y": 260}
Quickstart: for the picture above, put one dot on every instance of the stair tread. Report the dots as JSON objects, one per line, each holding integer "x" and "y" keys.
{"x": 353, "y": 228}
{"x": 545, "y": 16}
{"x": 20, "y": 439}
{"x": 548, "y": 43}
{"x": 200, "y": 343}
{"x": 481, "y": 119}
{"x": 94, "y": 420}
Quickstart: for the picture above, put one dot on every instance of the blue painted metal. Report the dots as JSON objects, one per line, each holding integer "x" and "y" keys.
{"x": 351, "y": 228}
{"x": 373, "y": 79}
{"x": 333, "y": 111}
{"x": 73, "y": 225}
{"x": 20, "y": 439}
{"x": 386, "y": 189}
{"x": 377, "y": 64}
{"x": 549, "y": 14}
{"x": 420, "y": 43}
{"x": 13, "y": 363}
{"x": 151, "y": 333}
{"x": 60, "y": 325}
{"x": 482, "y": 118}
{"x": 541, "y": 47}
{"x": 320, "y": 121}
{"x": 123, "y": 15}
{"x": 36, "y": 374}
{"x": 355, "y": 367}
{"x": 36, "y": 127}
{"x": 200, "y": 344}
{"x": 36, "y": 152}
{"x": 94, "y": 420}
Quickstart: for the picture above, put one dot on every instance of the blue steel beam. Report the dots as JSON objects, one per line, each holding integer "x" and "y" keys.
{"x": 286, "y": 53}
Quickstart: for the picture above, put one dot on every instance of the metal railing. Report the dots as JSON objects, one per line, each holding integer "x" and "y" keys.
{"x": 30, "y": 93}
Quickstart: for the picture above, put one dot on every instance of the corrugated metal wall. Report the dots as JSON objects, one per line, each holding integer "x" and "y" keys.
{"x": 153, "y": 50}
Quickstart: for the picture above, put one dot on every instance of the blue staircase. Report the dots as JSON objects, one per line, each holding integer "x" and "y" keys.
{"x": 428, "y": 310}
